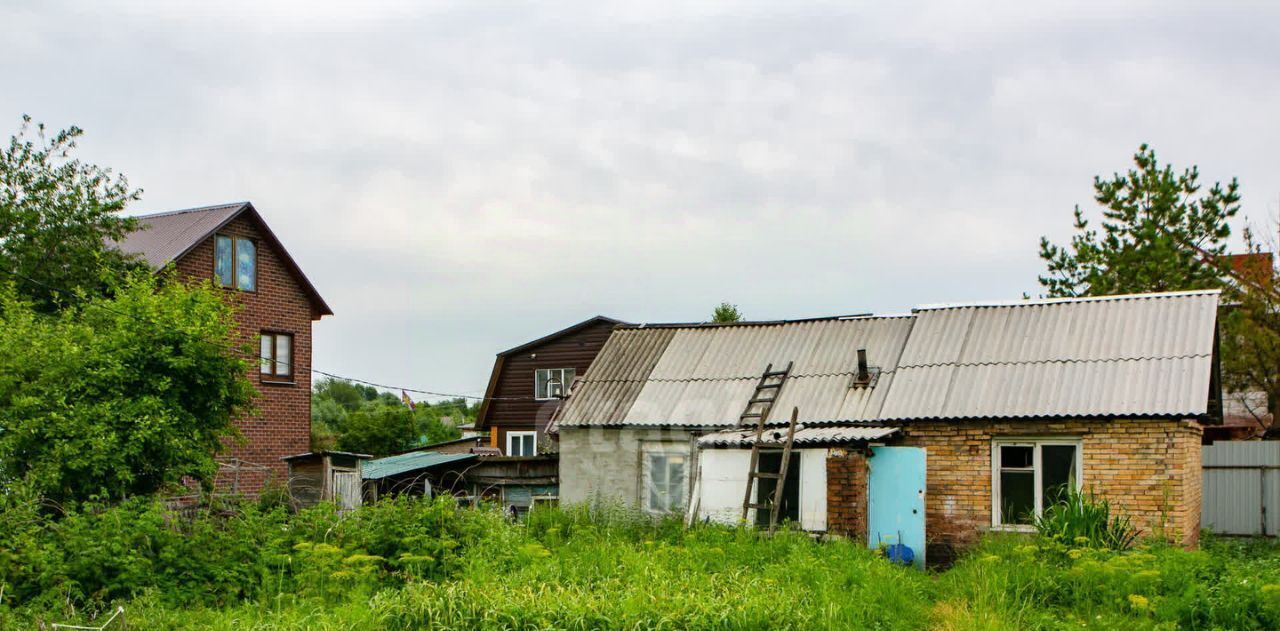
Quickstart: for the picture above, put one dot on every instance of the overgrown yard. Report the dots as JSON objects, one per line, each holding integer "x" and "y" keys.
{"x": 407, "y": 564}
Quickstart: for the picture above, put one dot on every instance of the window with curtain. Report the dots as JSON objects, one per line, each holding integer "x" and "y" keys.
{"x": 276, "y": 356}
{"x": 235, "y": 262}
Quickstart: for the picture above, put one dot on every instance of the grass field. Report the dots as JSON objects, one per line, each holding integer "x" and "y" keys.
{"x": 430, "y": 565}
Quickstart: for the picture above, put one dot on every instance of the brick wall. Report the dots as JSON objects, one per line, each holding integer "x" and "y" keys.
{"x": 282, "y": 424}
{"x": 1148, "y": 469}
{"x": 847, "y": 493}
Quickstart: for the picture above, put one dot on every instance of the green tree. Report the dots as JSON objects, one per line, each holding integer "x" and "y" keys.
{"x": 725, "y": 312}
{"x": 1250, "y": 330}
{"x": 1160, "y": 231}
{"x": 58, "y": 217}
{"x": 379, "y": 429}
{"x": 119, "y": 396}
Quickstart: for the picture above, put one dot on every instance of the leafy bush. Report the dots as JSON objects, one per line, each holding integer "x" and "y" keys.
{"x": 1085, "y": 519}
{"x": 411, "y": 563}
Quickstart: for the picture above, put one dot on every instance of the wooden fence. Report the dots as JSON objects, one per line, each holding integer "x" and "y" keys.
{"x": 1241, "y": 491}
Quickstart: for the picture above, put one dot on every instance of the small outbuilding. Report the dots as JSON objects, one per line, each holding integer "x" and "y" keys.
{"x": 417, "y": 473}
{"x": 326, "y": 476}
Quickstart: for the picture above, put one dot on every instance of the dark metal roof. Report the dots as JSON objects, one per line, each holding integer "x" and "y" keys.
{"x": 163, "y": 238}
{"x": 561, "y": 333}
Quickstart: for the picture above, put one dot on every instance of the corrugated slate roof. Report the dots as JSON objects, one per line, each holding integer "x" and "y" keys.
{"x": 379, "y": 468}
{"x": 703, "y": 375}
{"x": 805, "y": 436}
{"x": 1143, "y": 354}
{"x": 1133, "y": 355}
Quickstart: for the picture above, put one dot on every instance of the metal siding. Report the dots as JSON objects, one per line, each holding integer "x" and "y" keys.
{"x": 1236, "y": 501}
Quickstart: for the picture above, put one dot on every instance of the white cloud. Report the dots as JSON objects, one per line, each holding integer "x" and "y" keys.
{"x": 459, "y": 178}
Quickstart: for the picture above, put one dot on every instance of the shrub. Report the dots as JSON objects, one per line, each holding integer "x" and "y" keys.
{"x": 1084, "y": 519}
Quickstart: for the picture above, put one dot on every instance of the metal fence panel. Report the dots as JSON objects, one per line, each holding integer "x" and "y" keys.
{"x": 1241, "y": 488}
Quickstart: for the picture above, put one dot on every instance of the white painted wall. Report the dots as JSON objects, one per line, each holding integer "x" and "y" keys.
{"x": 724, "y": 482}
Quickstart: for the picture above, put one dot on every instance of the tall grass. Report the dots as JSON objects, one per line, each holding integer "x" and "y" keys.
{"x": 408, "y": 564}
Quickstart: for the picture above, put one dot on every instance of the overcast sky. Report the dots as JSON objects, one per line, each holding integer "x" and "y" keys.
{"x": 456, "y": 180}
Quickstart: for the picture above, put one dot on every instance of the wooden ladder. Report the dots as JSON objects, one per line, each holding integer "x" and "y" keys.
{"x": 758, "y": 407}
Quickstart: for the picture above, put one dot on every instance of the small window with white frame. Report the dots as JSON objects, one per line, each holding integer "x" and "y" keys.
{"x": 1030, "y": 474}
{"x": 522, "y": 443}
{"x": 552, "y": 383}
{"x": 664, "y": 481}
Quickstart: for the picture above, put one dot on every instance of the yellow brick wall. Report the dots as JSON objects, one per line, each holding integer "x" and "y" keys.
{"x": 1148, "y": 469}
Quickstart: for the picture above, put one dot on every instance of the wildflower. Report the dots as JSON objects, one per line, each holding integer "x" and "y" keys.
{"x": 1147, "y": 575}
{"x": 1139, "y": 603}
{"x": 356, "y": 559}
{"x": 1075, "y": 553}
{"x": 1082, "y": 540}
{"x": 990, "y": 558}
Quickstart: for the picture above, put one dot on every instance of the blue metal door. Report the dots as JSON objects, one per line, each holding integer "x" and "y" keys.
{"x": 895, "y": 499}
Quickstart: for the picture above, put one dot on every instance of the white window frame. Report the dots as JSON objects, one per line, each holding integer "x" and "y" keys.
{"x": 646, "y": 477}
{"x": 1036, "y": 443}
{"x": 559, "y": 374}
{"x": 533, "y": 435}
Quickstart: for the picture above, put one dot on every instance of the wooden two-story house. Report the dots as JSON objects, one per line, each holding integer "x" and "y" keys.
{"x": 275, "y": 306}
{"x": 529, "y": 381}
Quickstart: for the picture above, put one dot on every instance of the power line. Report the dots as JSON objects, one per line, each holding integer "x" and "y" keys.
{"x": 85, "y": 301}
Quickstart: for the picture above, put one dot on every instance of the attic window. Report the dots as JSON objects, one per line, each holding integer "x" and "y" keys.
{"x": 235, "y": 262}
{"x": 552, "y": 383}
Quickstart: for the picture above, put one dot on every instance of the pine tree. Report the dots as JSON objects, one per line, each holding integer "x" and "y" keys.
{"x": 1160, "y": 232}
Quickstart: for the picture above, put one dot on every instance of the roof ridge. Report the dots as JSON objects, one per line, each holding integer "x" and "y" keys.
{"x": 747, "y": 323}
{"x": 1103, "y": 360}
{"x": 197, "y": 209}
{"x": 1032, "y": 302}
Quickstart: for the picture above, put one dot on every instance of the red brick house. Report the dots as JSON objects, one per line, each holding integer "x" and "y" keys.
{"x": 529, "y": 380}
{"x": 276, "y": 304}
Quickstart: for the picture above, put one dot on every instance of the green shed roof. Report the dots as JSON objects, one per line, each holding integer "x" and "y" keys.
{"x": 379, "y": 468}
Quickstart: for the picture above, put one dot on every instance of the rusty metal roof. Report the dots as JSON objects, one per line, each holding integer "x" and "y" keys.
{"x": 1132, "y": 355}
{"x": 693, "y": 375}
{"x": 163, "y": 238}
{"x": 805, "y": 436}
